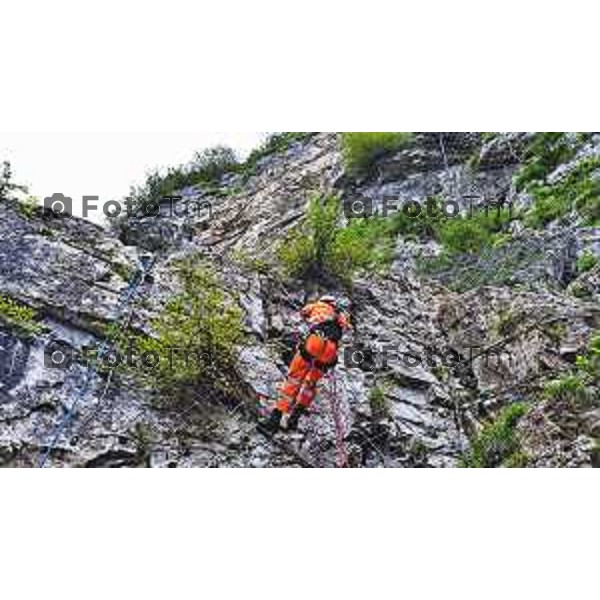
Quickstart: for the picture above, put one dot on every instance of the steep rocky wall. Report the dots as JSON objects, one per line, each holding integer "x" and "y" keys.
{"x": 75, "y": 274}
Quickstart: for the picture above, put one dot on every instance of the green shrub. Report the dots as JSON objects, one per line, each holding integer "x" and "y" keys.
{"x": 580, "y": 388}
{"x": 472, "y": 233}
{"x": 505, "y": 323}
{"x": 210, "y": 164}
{"x": 460, "y": 234}
{"x": 545, "y": 152}
{"x": 362, "y": 149}
{"x": 7, "y": 185}
{"x": 589, "y": 362}
{"x": 555, "y": 331}
{"x": 565, "y": 388}
{"x": 275, "y": 143}
{"x": 362, "y": 244}
{"x": 196, "y": 336}
{"x": 19, "y": 316}
{"x": 578, "y": 190}
{"x": 497, "y": 443}
{"x": 206, "y": 169}
{"x": 488, "y": 136}
{"x": 425, "y": 225}
{"x": 378, "y": 403}
{"x": 586, "y": 262}
{"x": 517, "y": 460}
{"x": 29, "y": 206}
{"x": 320, "y": 246}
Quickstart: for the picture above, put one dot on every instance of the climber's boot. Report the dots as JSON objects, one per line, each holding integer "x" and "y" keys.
{"x": 297, "y": 413}
{"x": 270, "y": 425}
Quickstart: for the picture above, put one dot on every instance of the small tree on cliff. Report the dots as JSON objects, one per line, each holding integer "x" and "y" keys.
{"x": 6, "y": 183}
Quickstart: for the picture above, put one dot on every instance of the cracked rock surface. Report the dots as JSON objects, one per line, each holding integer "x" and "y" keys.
{"x": 74, "y": 275}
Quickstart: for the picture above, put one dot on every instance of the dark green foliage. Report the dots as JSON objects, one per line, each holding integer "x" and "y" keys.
{"x": 206, "y": 169}
{"x": 579, "y": 389}
{"x": 7, "y": 185}
{"x": 474, "y": 160}
{"x": 589, "y": 363}
{"x": 578, "y": 190}
{"x": 497, "y": 444}
{"x": 210, "y": 164}
{"x": 544, "y": 154}
{"x": 19, "y": 316}
{"x": 362, "y": 149}
{"x": 29, "y": 207}
{"x": 425, "y": 225}
{"x": 570, "y": 388}
{"x": 586, "y": 262}
{"x": 505, "y": 324}
{"x": 470, "y": 234}
{"x": 460, "y": 234}
{"x": 555, "y": 332}
{"x": 320, "y": 246}
{"x": 276, "y": 142}
{"x": 196, "y": 336}
{"x": 488, "y": 136}
{"x": 378, "y": 403}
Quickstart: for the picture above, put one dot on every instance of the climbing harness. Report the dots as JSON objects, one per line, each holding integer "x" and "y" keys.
{"x": 134, "y": 284}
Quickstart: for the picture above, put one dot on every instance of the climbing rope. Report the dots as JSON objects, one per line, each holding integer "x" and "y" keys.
{"x": 134, "y": 284}
{"x": 338, "y": 421}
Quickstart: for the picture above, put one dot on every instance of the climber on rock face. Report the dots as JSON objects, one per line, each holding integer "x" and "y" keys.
{"x": 317, "y": 352}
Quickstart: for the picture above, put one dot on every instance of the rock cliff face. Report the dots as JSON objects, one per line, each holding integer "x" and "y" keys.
{"x": 76, "y": 276}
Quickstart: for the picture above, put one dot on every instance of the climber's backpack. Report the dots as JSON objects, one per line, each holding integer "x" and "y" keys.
{"x": 329, "y": 329}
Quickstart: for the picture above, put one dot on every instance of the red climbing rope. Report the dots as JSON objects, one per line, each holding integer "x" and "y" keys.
{"x": 338, "y": 420}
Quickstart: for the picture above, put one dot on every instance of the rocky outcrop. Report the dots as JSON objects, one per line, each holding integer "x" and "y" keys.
{"x": 428, "y": 380}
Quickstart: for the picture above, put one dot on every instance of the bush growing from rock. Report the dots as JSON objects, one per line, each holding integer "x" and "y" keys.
{"x": 586, "y": 262}
{"x": 276, "y": 142}
{"x": 578, "y": 190}
{"x": 579, "y": 389}
{"x": 206, "y": 168}
{"x": 362, "y": 149}
{"x": 545, "y": 152}
{"x": 19, "y": 316}
{"x": 322, "y": 247}
{"x": 7, "y": 185}
{"x": 200, "y": 328}
{"x": 497, "y": 443}
{"x": 459, "y": 235}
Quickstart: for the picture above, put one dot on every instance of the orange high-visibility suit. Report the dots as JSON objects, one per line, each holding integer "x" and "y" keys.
{"x": 316, "y": 353}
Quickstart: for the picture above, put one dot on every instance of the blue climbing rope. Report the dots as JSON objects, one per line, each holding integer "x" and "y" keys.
{"x": 134, "y": 283}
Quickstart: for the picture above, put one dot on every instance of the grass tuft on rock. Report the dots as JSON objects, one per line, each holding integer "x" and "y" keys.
{"x": 497, "y": 444}
{"x": 362, "y": 149}
{"x": 322, "y": 247}
{"x": 19, "y": 316}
